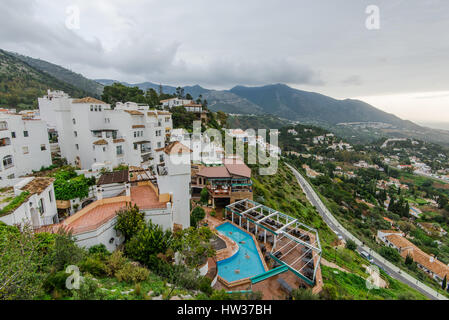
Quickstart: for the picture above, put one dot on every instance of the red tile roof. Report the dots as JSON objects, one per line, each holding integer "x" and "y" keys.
{"x": 88, "y": 100}
{"x": 214, "y": 172}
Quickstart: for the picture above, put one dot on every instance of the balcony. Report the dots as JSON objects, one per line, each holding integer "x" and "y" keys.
{"x": 5, "y": 142}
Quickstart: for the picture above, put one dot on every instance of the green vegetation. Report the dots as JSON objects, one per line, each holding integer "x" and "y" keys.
{"x": 196, "y": 216}
{"x": 21, "y": 84}
{"x": 349, "y": 286}
{"x": 91, "y": 87}
{"x": 15, "y": 203}
{"x": 69, "y": 185}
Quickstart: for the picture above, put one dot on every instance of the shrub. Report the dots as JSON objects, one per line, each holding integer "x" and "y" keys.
{"x": 390, "y": 254}
{"x": 205, "y": 286}
{"x": 55, "y": 281}
{"x": 148, "y": 242}
{"x": 94, "y": 266}
{"x": 132, "y": 273}
{"x": 88, "y": 290}
{"x": 100, "y": 250}
{"x": 213, "y": 213}
{"x": 115, "y": 262}
{"x": 304, "y": 294}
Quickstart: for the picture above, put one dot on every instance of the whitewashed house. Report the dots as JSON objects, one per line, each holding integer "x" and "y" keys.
{"x": 163, "y": 197}
{"x": 24, "y": 145}
{"x": 37, "y": 205}
{"x": 91, "y": 134}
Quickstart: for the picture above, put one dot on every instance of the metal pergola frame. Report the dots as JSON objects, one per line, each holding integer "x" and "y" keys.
{"x": 285, "y": 225}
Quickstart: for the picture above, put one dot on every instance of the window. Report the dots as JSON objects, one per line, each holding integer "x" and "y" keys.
{"x": 167, "y": 119}
{"x": 96, "y": 108}
{"x": 135, "y": 134}
{"x": 161, "y": 158}
{"x": 119, "y": 150}
{"x": 7, "y": 162}
{"x": 74, "y": 121}
{"x": 41, "y": 206}
{"x": 75, "y": 133}
{"x": 43, "y": 147}
{"x": 158, "y": 133}
{"x": 25, "y": 133}
{"x": 13, "y": 134}
{"x": 135, "y": 146}
{"x": 91, "y": 108}
{"x": 159, "y": 123}
{"x": 104, "y": 149}
{"x": 77, "y": 146}
{"x": 50, "y": 196}
{"x": 25, "y": 150}
{"x": 159, "y": 144}
{"x": 99, "y": 108}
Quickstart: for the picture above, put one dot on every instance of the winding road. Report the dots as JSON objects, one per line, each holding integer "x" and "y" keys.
{"x": 382, "y": 263}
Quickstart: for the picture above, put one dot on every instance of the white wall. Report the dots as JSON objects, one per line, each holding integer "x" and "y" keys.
{"x": 28, "y": 152}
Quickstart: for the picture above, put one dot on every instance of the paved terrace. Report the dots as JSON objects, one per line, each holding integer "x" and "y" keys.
{"x": 101, "y": 211}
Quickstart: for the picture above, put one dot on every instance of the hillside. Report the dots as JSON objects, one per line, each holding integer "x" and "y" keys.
{"x": 77, "y": 80}
{"x": 21, "y": 84}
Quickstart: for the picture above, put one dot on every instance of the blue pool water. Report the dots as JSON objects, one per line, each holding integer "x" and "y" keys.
{"x": 243, "y": 264}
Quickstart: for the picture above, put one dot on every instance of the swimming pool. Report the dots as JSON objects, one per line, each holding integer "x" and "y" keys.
{"x": 245, "y": 262}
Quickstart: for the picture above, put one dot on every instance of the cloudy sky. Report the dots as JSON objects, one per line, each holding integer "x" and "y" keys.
{"x": 322, "y": 45}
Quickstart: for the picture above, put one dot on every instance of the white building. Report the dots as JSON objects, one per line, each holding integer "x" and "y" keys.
{"x": 50, "y": 102}
{"x": 38, "y": 204}
{"x": 190, "y": 105}
{"x": 91, "y": 134}
{"x": 24, "y": 145}
{"x": 163, "y": 198}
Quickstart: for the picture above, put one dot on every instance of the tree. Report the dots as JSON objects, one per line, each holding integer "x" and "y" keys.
{"x": 196, "y": 216}
{"x": 351, "y": 245}
{"x": 64, "y": 252}
{"x": 148, "y": 242}
{"x": 390, "y": 254}
{"x": 20, "y": 262}
{"x": 444, "y": 283}
{"x": 408, "y": 260}
{"x": 130, "y": 221}
{"x": 194, "y": 245}
{"x": 204, "y": 196}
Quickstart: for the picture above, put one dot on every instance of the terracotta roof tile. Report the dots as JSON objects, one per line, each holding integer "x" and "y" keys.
{"x": 38, "y": 185}
{"x": 100, "y": 142}
{"x": 175, "y": 148}
{"x": 134, "y": 112}
{"x": 88, "y": 100}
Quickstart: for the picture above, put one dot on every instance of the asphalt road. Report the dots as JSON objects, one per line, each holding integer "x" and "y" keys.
{"x": 378, "y": 260}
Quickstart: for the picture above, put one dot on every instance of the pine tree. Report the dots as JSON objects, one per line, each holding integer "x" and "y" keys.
{"x": 444, "y": 284}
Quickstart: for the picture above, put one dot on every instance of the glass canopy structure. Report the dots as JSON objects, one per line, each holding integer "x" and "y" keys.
{"x": 293, "y": 243}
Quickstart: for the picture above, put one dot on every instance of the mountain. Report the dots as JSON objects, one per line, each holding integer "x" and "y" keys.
{"x": 283, "y": 101}
{"x": 92, "y": 87}
{"x": 21, "y": 84}
{"x": 223, "y": 100}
